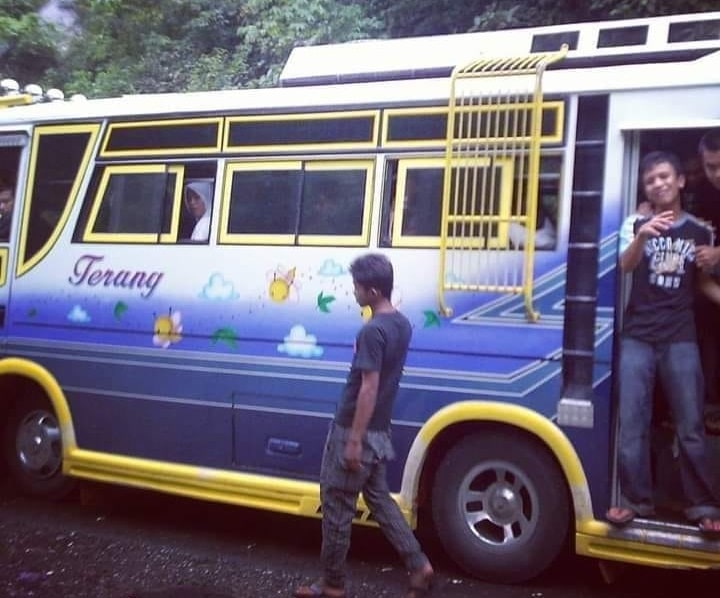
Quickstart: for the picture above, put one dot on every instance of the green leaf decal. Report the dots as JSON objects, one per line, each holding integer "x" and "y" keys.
{"x": 324, "y": 301}
{"x": 431, "y": 318}
{"x": 120, "y": 308}
{"x": 225, "y": 335}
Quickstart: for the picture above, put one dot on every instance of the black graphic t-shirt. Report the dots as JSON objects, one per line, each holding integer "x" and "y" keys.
{"x": 660, "y": 308}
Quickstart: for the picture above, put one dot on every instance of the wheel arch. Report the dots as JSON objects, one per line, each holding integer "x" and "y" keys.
{"x": 456, "y": 421}
{"x": 15, "y": 371}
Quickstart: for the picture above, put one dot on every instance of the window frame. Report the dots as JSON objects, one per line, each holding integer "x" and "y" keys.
{"x": 149, "y": 126}
{"x": 304, "y": 146}
{"x": 136, "y": 238}
{"x": 397, "y": 239}
{"x": 25, "y": 262}
{"x": 297, "y": 239}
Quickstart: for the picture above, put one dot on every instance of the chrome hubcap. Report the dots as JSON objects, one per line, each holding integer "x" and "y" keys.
{"x": 38, "y": 444}
{"x": 499, "y": 503}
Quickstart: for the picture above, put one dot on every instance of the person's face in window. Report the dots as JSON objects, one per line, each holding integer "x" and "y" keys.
{"x": 6, "y": 203}
{"x": 195, "y": 204}
{"x": 711, "y": 164}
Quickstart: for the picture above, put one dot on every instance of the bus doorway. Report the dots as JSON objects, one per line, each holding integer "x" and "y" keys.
{"x": 700, "y": 199}
{"x": 11, "y": 147}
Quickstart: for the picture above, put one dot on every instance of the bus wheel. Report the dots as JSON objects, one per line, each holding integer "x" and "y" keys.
{"x": 33, "y": 450}
{"x": 500, "y": 507}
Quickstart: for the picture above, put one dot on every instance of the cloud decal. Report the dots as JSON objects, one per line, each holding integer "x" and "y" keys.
{"x": 218, "y": 289}
{"x": 78, "y": 315}
{"x": 300, "y": 344}
{"x": 331, "y": 268}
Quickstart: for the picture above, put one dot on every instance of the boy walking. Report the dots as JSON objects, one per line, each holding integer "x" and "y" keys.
{"x": 358, "y": 444}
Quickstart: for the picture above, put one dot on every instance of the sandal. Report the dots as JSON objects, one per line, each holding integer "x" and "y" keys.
{"x": 317, "y": 590}
{"x": 620, "y": 516}
{"x": 421, "y": 582}
{"x": 712, "y": 422}
{"x": 710, "y": 527}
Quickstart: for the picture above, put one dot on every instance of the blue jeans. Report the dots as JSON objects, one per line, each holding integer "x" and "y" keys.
{"x": 678, "y": 366}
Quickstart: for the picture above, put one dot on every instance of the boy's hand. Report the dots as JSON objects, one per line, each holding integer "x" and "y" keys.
{"x": 707, "y": 257}
{"x": 352, "y": 454}
{"x": 657, "y": 225}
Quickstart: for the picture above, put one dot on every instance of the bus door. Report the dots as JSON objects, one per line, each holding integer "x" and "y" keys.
{"x": 12, "y": 146}
{"x": 677, "y": 130}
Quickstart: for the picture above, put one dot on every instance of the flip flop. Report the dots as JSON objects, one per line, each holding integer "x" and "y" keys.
{"x": 315, "y": 590}
{"x": 620, "y": 516}
{"x": 712, "y": 422}
{"x": 709, "y": 527}
{"x": 420, "y": 585}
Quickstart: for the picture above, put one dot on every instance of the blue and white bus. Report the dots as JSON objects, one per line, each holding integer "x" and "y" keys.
{"x": 494, "y": 170}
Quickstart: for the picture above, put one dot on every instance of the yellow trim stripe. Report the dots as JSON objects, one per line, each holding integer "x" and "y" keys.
{"x": 4, "y": 255}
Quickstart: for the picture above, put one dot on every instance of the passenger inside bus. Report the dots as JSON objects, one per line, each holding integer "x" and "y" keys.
{"x": 706, "y": 205}
{"x": 545, "y": 223}
{"x": 198, "y": 203}
{"x": 7, "y": 201}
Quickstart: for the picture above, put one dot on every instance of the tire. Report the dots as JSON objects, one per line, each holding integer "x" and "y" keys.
{"x": 32, "y": 450}
{"x": 500, "y": 507}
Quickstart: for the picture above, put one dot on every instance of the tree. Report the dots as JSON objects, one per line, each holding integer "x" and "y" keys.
{"x": 427, "y": 17}
{"x": 273, "y": 27}
{"x": 168, "y": 45}
{"x": 28, "y": 45}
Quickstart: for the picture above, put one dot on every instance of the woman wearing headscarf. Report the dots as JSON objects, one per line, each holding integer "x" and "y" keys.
{"x": 198, "y": 201}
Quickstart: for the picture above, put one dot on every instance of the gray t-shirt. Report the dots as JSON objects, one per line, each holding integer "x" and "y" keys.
{"x": 380, "y": 346}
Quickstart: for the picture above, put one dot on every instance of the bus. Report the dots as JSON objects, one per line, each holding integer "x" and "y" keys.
{"x": 493, "y": 169}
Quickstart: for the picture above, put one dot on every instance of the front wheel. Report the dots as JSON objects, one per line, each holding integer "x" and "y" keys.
{"x": 500, "y": 506}
{"x": 33, "y": 450}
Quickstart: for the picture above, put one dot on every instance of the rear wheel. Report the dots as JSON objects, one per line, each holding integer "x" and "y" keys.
{"x": 33, "y": 450}
{"x": 500, "y": 506}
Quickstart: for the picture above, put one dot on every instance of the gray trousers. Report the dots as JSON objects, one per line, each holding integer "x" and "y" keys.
{"x": 339, "y": 491}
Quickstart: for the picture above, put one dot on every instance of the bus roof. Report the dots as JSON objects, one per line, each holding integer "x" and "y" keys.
{"x": 592, "y": 44}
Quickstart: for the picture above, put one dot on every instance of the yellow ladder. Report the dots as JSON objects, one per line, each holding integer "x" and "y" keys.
{"x": 492, "y": 161}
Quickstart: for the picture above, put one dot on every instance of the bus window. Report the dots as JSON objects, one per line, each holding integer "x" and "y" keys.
{"x": 148, "y": 203}
{"x": 264, "y": 202}
{"x": 60, "y": 155}
{"x": 546, "y": 220}
{"x": 333, "y": 202}
{"x": 295, "y": 203}
{"x": 131, "y": 203}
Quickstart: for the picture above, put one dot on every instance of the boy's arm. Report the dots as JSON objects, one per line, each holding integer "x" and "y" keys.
{"x": 709, "y": 287}
{"x": 364, "y": 408}
{"x": 658, "y": 224}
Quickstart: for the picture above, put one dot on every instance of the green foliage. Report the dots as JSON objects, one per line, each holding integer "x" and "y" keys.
{"x": 271, "y": 28}
{"x": 28, "y": 45}
{"x": 170, "y": 45}
{"x": 132, "y": 46}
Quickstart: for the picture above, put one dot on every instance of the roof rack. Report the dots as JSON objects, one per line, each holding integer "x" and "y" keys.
{"x": 10, "y": 94}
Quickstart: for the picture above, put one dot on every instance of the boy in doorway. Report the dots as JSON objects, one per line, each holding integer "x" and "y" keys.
{"x": 659, "y": 338}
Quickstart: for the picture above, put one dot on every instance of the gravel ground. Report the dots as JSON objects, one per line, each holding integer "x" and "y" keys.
{"x": 121, "y": 543}
{"x": 128, "y": 544}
